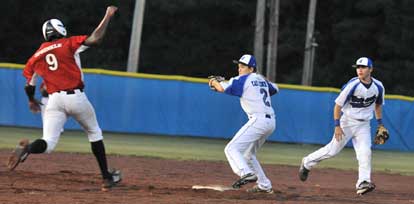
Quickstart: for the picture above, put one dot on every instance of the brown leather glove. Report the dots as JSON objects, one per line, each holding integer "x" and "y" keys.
{"x": 381, "y": 136}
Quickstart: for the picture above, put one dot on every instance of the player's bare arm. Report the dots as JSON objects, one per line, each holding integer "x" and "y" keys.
{"x": 214, "y": 83}
{"x": 378, "y": 111}
{"x": 97, "y": 35}
{"x": 338, "y": 130}
{"x": 29, "y": 88}
{"x": 34, "y": 105}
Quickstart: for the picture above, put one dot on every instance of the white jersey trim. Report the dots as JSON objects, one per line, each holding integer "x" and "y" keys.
{"x": 77, "y": 58}
{"x": 33, "y": 80}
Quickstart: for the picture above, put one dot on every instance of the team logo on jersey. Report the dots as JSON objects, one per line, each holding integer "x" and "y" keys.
{"x": 357, "y": 102}
{"x": 47, "y": 49}
{"x": 259, "y": 83}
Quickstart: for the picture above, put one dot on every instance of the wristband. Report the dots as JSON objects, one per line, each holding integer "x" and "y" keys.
{"x": 337, "y": 123}
{"x": 379, "y": 121}
{"x": 30, "y": 92}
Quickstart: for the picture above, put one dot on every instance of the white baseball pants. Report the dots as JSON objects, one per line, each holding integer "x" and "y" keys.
{"x": 44, "y": 102}
{"x": 361, "y": 140}
{"x": 59, "y": 107}
{"x": 241, "y": 150}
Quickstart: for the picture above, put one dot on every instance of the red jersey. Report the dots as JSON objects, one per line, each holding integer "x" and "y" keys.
{"x": 58, "y": 63}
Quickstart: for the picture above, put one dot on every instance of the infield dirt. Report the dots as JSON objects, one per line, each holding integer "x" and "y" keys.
{"x": 74, "y": 178}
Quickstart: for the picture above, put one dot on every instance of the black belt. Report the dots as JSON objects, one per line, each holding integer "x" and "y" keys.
{"x": 268, "y": 116}
{"x": 70, "y": 91}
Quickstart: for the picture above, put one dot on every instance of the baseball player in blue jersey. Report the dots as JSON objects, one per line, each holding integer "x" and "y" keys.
{"x": 254, "y": 92}
{"x": 357, "y": 101}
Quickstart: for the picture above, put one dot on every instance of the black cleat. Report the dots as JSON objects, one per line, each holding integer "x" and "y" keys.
{"x": 113, "y": 181}
{"x": 303, "y": 172}
{"x": 248, "y": 178}
{"x": 365, "y": 187}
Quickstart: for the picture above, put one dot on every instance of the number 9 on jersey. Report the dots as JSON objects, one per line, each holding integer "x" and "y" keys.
{"x": 51, "y": 61}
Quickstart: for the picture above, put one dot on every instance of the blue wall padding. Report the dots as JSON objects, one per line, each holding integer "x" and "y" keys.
{"x": 153, "y": 106}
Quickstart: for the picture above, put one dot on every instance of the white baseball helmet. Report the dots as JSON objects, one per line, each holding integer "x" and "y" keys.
{"x": 53, "y": 29}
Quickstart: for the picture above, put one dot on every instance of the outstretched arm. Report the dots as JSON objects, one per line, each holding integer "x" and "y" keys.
{"x": 217, "y": 86}
{"x": 97, "y": 35}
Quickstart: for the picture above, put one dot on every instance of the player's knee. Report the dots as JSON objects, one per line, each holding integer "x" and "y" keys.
{"x": 95, "y": 135}
{"x": 364, "y": 154}
{"x": 333, "y": 152}
{"x": 226, "y": 149}
{"x": 368, "y": 152}
{"x": 50, "y": 146}
{"x": 229, "y": 149}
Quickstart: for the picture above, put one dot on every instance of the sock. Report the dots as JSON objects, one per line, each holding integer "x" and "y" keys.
{"x": 38, "y": 146}
{"x": 98, "y": 150}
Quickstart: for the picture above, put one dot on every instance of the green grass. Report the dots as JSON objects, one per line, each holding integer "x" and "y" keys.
{"x": 193, "y": 148}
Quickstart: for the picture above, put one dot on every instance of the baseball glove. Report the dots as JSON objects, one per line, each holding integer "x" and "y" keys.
{"x": 381, "y": 136}
{"x": 214, "y": 78}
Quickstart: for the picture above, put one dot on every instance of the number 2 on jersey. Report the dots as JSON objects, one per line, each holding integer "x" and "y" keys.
{"x": 51, "y": 60}
{"x": 264, "y": 92}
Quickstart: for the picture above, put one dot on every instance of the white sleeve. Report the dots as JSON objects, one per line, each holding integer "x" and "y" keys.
{"x": 81, "y": 49}
{"x": 33, "y": 81}
{"x": 345, "y": 94}
{"x": 225, "y": 84}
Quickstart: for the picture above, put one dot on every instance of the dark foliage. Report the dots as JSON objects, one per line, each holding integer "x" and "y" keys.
{"x": 201, "y": 37}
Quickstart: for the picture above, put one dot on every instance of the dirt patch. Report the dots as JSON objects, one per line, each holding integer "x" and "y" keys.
{"x": 73, "y": 178}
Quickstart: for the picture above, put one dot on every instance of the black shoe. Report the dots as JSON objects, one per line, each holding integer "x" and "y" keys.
{"x": 19, "y": 154}
{"x": 365, "y": 187}
{"x": 248, "y": 178}
{"x": 303, "y": 172}
{"x": 113, "y": 181}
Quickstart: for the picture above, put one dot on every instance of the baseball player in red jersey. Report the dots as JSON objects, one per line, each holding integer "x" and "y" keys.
{"x": 57, "y": 62}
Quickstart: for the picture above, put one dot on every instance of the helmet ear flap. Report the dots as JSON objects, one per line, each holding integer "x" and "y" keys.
{"x": 44, "y": 28}
{"x": 53, "y": 29}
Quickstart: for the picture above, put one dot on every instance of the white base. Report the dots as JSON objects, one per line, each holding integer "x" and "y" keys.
{"x": 220, "y": 188}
